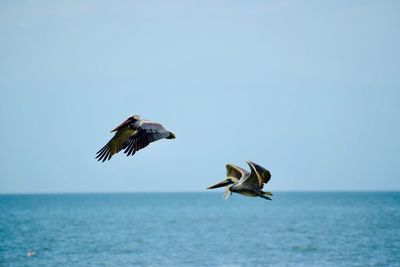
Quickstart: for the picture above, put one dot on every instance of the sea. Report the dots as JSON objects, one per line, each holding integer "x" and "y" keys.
{"x": 200, "y": 229}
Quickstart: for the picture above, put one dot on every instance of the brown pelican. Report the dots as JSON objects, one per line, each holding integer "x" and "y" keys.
{"x": 132, "y": 135}
{"x": 242, "y": 182}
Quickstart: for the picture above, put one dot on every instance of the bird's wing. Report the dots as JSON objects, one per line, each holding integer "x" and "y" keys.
{"x": 264, "y": 174}
{"x": 116, "y": 143}
{"x": 146, "y": 133}
{"x": 253, "y": 179}
{"x": 235, "y": 172}
{"x": 267, "y": 176}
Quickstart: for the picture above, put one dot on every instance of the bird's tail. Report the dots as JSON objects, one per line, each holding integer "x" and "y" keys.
{"x": 171, "y": 135}
{"x": 265, "y": 195}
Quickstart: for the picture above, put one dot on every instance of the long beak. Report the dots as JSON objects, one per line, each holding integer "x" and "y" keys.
{"x": 126, "y": 122}
{"x": 221, "y": 184}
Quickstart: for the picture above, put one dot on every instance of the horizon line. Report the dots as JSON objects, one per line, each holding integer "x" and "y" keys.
{"x": 183, "y": 192}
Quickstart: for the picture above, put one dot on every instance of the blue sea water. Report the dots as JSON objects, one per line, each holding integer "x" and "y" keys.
{"x": 200, "y": 229}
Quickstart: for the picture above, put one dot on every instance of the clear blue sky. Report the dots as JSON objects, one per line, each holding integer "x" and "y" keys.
{"x": 308, "y": 89}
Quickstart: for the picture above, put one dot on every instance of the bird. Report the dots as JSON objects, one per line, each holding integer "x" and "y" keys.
{"x": 131, "y": 136}
{"x": 245, "y": 183}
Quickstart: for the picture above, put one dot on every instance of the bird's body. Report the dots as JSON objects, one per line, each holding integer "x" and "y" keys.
{"x": 242, "y": 182}
{"x": 131, "y": 136}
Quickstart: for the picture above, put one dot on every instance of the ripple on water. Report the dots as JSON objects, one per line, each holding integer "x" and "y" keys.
{"x": 296, "y": 229}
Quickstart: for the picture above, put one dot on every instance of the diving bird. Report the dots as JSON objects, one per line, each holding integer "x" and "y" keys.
{"x": 242, "y": 182}
{"x": 132, "y": 135}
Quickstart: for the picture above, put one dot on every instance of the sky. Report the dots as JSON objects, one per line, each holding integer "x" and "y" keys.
{"x": 308, "y": 89}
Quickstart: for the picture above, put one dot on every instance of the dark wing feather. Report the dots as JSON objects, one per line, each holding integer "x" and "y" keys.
{"x": 145, "y": 134}
{"x": 116, "y": 143}
{"x": 267, "y": 176}
{"x": 264, "y": 174}
{"x": 254, "y": 179}
{"x": 236, "y": 172}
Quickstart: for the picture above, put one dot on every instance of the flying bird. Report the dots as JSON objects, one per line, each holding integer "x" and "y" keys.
{"x": 245, "y": 183}
{"x": 131, "y": 136}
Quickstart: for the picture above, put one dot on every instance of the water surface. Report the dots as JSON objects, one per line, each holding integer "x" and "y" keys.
{"x": 200, "y": 229}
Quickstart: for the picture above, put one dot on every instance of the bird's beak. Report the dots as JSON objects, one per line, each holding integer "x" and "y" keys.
{"x": 221, "y": 184}
{"x": 126, "y": 122}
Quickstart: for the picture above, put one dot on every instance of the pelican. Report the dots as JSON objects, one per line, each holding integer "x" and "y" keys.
{"x": 242, "y": 182}
{"x": 132, "y": 135}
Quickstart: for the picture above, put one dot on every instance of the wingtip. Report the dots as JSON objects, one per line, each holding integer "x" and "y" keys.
{"x": 250, "y": 163}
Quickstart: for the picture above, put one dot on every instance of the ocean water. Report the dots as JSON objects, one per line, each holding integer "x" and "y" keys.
{"x": 200, "y": 229}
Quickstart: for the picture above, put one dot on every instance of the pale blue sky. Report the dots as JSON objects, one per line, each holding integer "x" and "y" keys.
{"x": 308, "y": 89}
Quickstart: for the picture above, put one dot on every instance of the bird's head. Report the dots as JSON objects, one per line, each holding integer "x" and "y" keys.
{"x": 128, "y": 121}
{"x": 135, "y": 117}
{"x": 232, "y": 188}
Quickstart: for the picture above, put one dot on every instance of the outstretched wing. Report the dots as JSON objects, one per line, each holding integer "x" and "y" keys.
{"x": 116, "y": 143}
{"x": 236, "y": 172}
{"x": 263, "y": 174}
{"x": 259, "y": 175}
{"x": 254, "y": 179}
{"x": 146, "y": 133}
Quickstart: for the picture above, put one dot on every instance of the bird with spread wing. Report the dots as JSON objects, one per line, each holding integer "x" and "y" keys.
{"x": 242, "y": 182}
{"x": 131, "y": 136}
